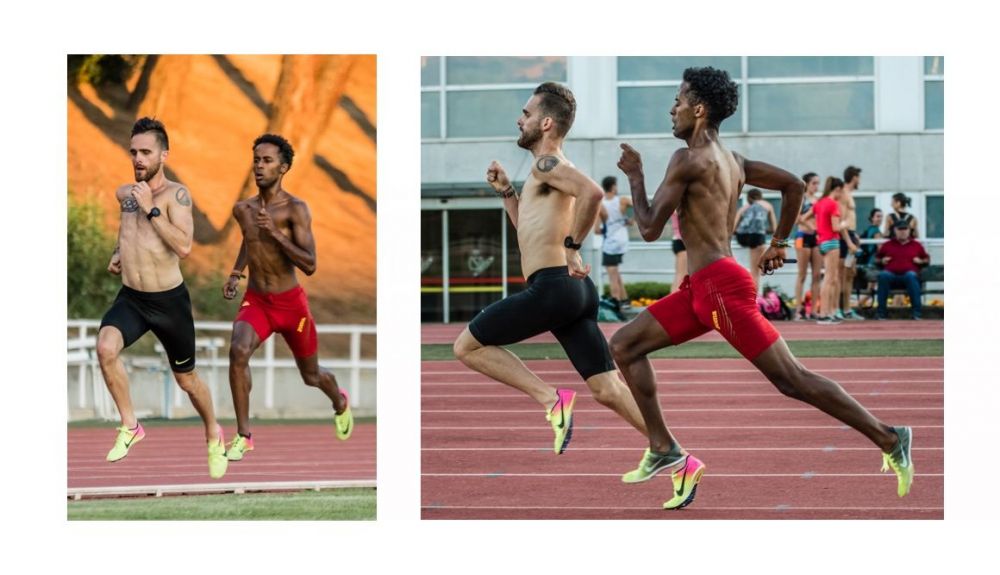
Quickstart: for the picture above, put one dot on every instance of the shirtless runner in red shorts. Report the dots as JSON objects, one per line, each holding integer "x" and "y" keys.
{"x": 277, "y": 238}
{"x": 703, "y": 183}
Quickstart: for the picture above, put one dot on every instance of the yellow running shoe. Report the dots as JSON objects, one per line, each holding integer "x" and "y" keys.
{"x": 653, "y": 463}
{"x": 217, "y": 462}
{"x": 239, "y": 447}
{"x": 561, "y": 418}
{"x": 343, "y": 422}
{"x": 125, "y": 440}
{"x": 899, "y": 460}
{"x": 685, "y": 483}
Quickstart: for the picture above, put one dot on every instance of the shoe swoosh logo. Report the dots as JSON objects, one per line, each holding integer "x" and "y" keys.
{"x": 129, "y": 442}
{"x": 182, "y": 362}
{"x": 684, "y": 477}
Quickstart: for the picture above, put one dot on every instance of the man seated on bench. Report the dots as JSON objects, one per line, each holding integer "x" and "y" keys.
{"x": 901, "y": 259}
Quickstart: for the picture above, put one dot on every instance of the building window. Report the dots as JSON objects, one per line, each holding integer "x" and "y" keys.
{"x": 480, "y": 97}
{"x": 792, "y": 94}
{"x": 934, "y": 219}
{"x": 647, "y": 87}
{"x": 934, "y": 92}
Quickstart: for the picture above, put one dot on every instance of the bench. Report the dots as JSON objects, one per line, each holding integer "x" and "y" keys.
{"x": 930, "y": 274}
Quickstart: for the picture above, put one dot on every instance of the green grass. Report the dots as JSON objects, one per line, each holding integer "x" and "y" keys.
{"x": 720, "y": 349}
{"x": 334, "y": 504}
{"x": 226, "y": 423}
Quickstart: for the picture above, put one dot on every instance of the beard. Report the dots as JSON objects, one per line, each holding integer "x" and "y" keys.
{"x": 529, "y": 139}
{"x": 151, "y": 172}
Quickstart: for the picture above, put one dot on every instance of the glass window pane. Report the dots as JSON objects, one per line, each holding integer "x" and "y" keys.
{"x": 474, "y": 253}
{"x": 487, "y": 113}
{"x": 672, "y": 67}
{"x": 862, "y": 207}
{"x": 812, "y": 107}
{"x": 934, "y": 105}
{"x": 505, "y": 70}
{"x": 935, "y": 216}
{"x": 431, "y": 294}
{"x": 934, "y": 65}
{"x": 430, "y": 115}
{"x": 430, "y": 71}
{"x": 647, "y": 111}
{"x": 801, "y": 66}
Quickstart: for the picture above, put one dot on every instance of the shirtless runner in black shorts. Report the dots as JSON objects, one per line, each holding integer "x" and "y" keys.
{"x": 552, "y": 214}
{"x": 156, "y": 231}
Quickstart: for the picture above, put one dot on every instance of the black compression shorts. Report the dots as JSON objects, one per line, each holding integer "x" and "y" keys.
{"x": 166, "y": 313}
{"x": 554, "y": 302}
{"x": 611, "y": 259}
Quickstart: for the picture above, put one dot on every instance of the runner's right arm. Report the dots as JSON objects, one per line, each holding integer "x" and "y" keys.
{"x": 497, "y": 178}
{"x": 651, "y": 218}
{"x": 231, "y": 289}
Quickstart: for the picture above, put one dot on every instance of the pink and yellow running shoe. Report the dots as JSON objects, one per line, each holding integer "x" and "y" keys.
{"x": 561, "y": 418}
{"x": 685, "y": 482}
{"x": 125, "y": 440}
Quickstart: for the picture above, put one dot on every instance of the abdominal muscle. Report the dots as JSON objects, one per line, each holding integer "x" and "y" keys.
{"x": 543, "y": 222}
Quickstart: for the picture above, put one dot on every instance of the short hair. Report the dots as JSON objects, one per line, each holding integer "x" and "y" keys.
{"x": 902, "y": 198}
{"x": 713, "y": 88}
{"x": 558, "y": 103}
{"x": 608, "y": 182}
{"x": 146, "y": 124}
{"x": 850, "y": 172}
{"x": 808, "y": 176}
{"x": 284, "y": 148}
{"x": 755, "y": 194}
{"x": 832, "y": 183}
{"x": 872, "y": 213}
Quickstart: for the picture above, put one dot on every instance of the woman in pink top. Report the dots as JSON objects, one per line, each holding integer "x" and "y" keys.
{"x": 829, "y": 230}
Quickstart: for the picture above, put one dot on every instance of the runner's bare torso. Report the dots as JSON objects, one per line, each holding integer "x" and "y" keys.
{"x": 544, "y": 218}
{"x": 271, "y": 269}
{"x": 148, "y": 263}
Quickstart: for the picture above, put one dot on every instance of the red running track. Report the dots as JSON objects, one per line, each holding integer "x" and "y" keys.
{"x": 487, "y": 449}
{"x": 790, "y": 330}
{"x": 177, "y": 456}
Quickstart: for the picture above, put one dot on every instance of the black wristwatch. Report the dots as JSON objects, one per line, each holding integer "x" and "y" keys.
{"x": 568, "y": 243}
{"x": 153, "y": 213}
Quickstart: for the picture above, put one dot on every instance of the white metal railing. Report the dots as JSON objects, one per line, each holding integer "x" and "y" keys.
{"x": 81, "y": 352}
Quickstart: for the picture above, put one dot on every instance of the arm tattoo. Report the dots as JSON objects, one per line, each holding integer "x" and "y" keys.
{"x": 183, "y": 197}
{"x": 130, "y": 205}
{"x": 547, "y": 163}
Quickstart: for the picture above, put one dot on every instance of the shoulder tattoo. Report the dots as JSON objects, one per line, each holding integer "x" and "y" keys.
{"x": 130, "y": 205}
{"x": 183, "y": 197}
{"x": 547, "y": 163}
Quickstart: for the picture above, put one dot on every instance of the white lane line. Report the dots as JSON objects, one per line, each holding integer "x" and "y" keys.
{"x": 158, "y": 490}
{"x": 672, "y": 427}
{"x": 828, "y": 449}
{"x": 776, "y": 508}
{"x": 679, "y": 410}
{"x": 467, "y": 371}
{"x": 804, "y": 475}
{"x": 775, "y": 393}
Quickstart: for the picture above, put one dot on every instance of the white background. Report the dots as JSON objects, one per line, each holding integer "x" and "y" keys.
{"x": 36, "y": 40}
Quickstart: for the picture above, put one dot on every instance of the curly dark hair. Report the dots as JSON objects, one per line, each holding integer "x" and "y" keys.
{"x": 284, "y": 148}
{"x": 557, "y": 102}
{"x": 714, "y": 89}
{"x": 147, "y": 124}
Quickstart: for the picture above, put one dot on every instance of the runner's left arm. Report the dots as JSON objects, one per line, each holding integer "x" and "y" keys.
{"x": 301, "y": 247}
{"x": 559, "y": 174}
{"x": 176, "y": 226}
{"x": 764, "y": 175}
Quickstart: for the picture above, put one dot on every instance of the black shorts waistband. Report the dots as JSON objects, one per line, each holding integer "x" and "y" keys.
{"x": 546, "y": 273}
{"x": 154, "y": 295}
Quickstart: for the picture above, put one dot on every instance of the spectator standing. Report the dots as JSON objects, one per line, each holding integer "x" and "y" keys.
{"x": 753, "y": 222}
{"x": 806, "y": 249}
